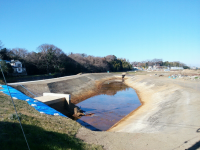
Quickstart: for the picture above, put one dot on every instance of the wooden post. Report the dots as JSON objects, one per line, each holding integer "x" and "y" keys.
{"x": 75, "y": 111}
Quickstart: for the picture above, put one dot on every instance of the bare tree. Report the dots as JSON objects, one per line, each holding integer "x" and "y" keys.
{"x": 95, "y": 64}
{"x": 33, "y": 57}
{"x": 19, "y": 52}
{"x": 157, "y": 61}
{"x": 134, "y": 63}
{"x": 110, "y": 57}
{"x": 1, "y": 45}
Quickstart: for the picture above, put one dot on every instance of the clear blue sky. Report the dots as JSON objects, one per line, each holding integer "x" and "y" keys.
{"x": 136, "y": 30}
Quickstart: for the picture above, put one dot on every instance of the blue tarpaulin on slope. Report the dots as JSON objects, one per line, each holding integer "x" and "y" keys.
{"x": 39, "y": 106}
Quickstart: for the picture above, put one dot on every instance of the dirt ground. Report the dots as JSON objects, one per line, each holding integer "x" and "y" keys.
{"x": 168, "y": 118}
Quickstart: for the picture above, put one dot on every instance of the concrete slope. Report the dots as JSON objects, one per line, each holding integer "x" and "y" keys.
{"x": 78, "y": 86}
{"x": 168, "y": 118}
{"x": 167, "y": 107}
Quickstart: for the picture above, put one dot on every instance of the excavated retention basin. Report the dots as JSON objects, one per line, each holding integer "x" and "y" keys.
{"x": 114, "y": 101}
{"x": 95, "y": 93}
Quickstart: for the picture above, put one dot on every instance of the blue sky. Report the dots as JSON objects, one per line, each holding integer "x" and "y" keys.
{"x": 136, "y": 30}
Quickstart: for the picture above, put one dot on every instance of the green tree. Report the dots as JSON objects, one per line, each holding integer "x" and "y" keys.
{"x": 4, "y": 54}
{"x": 186, "y": 67}
{"x": 6, "y": 68}
{"x": 49, "y": 56}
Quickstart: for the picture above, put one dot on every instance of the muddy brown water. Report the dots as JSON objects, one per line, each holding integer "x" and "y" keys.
{"x": 113, "y": 102}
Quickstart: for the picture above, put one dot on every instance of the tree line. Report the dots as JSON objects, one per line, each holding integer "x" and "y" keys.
{"x": 51, "y": 59}
{"x": 159, "y": 62}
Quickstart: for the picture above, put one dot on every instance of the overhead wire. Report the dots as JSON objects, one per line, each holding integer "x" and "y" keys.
{"x": 15, "y": 108}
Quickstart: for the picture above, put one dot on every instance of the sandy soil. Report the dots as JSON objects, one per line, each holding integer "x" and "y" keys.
{"x": 168, "y": 118}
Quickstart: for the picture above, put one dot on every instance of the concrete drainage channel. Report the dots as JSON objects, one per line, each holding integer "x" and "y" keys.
{"x": 75, "y": 89}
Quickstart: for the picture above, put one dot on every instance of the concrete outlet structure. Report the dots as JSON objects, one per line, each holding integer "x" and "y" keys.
{"x": 51, "y": 98}
{"x": 66, "y": 96}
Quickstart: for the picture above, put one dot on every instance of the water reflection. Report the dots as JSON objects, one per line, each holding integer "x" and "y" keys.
{"x": 113, "y": 102}
{"x": 112, "y": 88}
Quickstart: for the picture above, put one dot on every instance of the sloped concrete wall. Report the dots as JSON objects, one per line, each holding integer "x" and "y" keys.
{"x": 79, "y": 87}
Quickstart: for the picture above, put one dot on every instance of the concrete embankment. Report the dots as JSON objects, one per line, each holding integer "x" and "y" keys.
{"x": 168, "y": 106}
{"x": 168, "y": 118}
{"x": 79, "y": 87}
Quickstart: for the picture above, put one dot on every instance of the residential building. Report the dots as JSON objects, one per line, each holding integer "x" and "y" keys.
{"x": 17, "y": 67}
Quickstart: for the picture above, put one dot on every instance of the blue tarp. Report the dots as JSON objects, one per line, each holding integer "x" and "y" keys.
{"x": 39, "y": 106}
{"x": 172, "y": 77}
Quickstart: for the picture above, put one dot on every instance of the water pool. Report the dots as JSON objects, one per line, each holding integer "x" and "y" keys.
{"x": 113, "y": 102}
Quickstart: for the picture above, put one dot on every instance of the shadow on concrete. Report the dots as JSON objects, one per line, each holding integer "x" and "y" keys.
{"x": 11, "y": 137}
{"x": 87, "y": 125}
{"x": 64, "y": 108}
{"x": 68, "y": 111}
{"x": 198, "y": 130}
{"x": 195, "y": 146}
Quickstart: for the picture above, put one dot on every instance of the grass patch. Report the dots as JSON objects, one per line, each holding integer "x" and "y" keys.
{"x": 43, "y": 132}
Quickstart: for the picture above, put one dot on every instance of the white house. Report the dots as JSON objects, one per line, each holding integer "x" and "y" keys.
{"x": 17, "y": 67}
